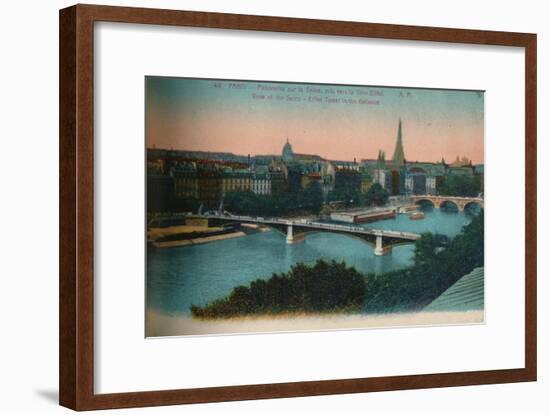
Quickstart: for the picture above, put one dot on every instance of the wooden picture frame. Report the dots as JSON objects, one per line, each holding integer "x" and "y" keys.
{"x": 76, "y": 278}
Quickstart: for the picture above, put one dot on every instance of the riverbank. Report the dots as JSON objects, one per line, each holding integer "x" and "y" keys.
{"x": 195, "y": 234}
{"x": 155, "y": 233}
{"x": 158, "y": 324}
{"x": 198, "y": 241}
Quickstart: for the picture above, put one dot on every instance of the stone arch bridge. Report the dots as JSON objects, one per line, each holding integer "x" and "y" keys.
{"x": 296, "y": 230}
{"x": 439, "y": 201}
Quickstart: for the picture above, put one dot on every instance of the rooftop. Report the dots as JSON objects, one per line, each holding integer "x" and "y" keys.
{"x": 464, "y": 295}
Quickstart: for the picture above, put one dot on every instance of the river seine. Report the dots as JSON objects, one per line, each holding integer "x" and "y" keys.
{"x": 198, "y": 274}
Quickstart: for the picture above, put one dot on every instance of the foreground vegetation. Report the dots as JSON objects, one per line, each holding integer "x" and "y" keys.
{"x": 324, "y": 287}
{"x": 334, "y": 287}
{"x": 438, "y": 263}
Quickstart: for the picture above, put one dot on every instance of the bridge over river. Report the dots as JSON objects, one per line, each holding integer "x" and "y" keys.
{"x": 296, "y": 230}
{"x": 440, "y": 201}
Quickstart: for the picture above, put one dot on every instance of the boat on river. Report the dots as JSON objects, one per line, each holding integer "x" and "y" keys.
{"x": 416, "y": 215}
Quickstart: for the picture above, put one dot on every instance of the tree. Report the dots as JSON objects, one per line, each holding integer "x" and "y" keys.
{"x": 313, "y": 196}
{"x": 457, "y": 185}
{"x": 308, "y": 200}
{"x": 376, "y": 195}
{"x": 438, "y": 263}
{"x": 346, "y": 195}
{"x": 323, "y": 287}
{"x": 426, "y": 248}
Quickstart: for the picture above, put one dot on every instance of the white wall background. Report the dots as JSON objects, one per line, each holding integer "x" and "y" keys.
{"x": 29, "y": 209}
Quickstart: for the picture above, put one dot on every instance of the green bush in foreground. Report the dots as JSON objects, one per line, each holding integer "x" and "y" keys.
{"x": 323, "y": 287}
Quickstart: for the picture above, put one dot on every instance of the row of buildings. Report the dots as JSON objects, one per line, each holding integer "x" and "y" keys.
{"x": 208, "y": 177}
{"x": 210, "y": 180}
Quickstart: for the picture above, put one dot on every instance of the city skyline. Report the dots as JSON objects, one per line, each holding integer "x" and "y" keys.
{"x": 459, "y": 157}
{"x": 336, "y": 122}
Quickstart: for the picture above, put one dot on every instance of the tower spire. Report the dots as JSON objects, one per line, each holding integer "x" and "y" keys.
{"x": 399, "y": 153}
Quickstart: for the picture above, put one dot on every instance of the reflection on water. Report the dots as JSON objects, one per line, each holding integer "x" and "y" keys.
{"x": 180, "y": 277}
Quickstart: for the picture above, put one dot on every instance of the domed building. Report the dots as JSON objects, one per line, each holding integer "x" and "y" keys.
{"x": 288, "y": 155}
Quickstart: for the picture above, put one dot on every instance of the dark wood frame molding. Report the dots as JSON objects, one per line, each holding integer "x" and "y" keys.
{"x": 76, "y": 175}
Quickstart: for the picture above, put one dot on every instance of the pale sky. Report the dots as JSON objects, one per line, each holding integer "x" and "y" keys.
{"x": 337, "y": 122}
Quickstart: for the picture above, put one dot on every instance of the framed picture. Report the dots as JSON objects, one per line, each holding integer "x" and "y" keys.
{"x": 257, "y": 207}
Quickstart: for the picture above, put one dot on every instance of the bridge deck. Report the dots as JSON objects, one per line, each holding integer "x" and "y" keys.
{"x": 357, "y": 230}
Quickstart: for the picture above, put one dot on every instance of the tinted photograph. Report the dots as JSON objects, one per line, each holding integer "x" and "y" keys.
{"x": 282, "y": 207}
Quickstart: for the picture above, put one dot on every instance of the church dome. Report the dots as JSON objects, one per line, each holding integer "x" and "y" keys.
{"x": 288, "y": 155}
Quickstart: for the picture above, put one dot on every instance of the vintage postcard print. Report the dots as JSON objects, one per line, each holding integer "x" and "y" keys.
{"x": 275, "y": 206}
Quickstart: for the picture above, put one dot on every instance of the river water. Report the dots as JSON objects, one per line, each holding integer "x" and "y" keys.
{"x": 198, "y": 274}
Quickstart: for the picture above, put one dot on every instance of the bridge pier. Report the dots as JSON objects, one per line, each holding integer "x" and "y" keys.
{"x": 291, "y": 238}
{"x": 380, "y": 249}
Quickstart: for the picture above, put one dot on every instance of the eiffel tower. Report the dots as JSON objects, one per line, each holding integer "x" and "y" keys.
{"x": 399, "y": 153}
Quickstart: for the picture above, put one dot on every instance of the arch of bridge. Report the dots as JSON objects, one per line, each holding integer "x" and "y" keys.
{"x": 435, "y": 203}
{"x": 454, "y": 202}
{"x": 459, "y": 202}
{"x": 474, "y": 202}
